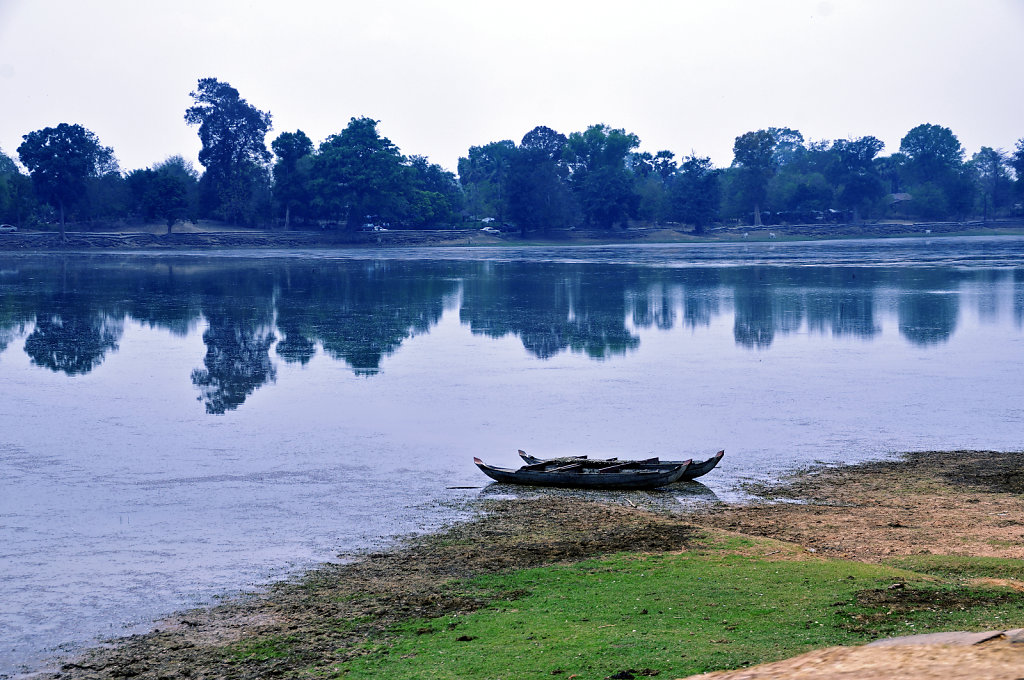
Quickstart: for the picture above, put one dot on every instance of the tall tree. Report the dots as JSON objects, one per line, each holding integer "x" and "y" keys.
{"x": 652, "y": 175}
{"x": 754, "y": 160}
{"x": 599, "y": 176}
{"x": 991, "y": 174}
{"x": 855, "y": 174}
{"x": 431, "y": 193}
{"x": 234, "y": 153}
{"x": 891, "y": 170}
{"x": 788, "y": 146}
{"x": 61, "y": 160}
{"x": 696, "y": 193}
{"x": 539, "y": 196}
{"x": 935, "y": 171}
{"x": 665, "y": 164}
{"x": 484, "y": 175}
{"x": 358, "y": 173}
{"x": 175, "y": 191}
{"x": 169, "y": 191}
{"x": 933, "y": 152}
{"x": 15, "y": 192}
{"x": 1016, "y": 161}
{"x": 291, "y": 171}
{"x": 7, "y": 164}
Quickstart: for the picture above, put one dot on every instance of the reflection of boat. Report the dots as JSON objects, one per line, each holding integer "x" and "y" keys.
{"x": 581, "y": 473}
{"x": 693, "y": 470}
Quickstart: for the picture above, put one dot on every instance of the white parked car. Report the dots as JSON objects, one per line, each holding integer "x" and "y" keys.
{"x": 8, "y": 228}
{"x": 490, "y": 230}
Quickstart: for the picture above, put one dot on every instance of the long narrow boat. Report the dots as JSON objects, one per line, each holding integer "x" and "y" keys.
{"x": 580, "y": 475}
{"x": 693, "y": 471}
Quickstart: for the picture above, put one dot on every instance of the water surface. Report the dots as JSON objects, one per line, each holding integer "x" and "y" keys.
{"x": 180, "y": 426}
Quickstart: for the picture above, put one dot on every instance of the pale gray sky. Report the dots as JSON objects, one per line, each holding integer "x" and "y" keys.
{"x": 444, "y": 75}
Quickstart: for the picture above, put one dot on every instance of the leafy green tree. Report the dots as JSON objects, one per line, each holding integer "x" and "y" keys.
{"x": 696, "y": 193}
{"x": 641, "y": 163}
{"x": 859, "y": 184}
{"x": 991, "y": 173}
{"x": 169, "y": 191}
{"x": 60, "y": 161}
{"x": 788, "y": 146}
{"x": 653, "y": 175}
{"x": 175, "y": 191}
{"x": 935, "y": 157}
{"x": 799, "y": 190}
{"x": 15, "y": 192}
{"x": 933, "y": 153}
{"x": 800, "y": 196}
{"x": 754, "y": 161}
{"x": 140, "y": 183}
{"x": 433, "y": 194}
{"x": 599, "y": 176}
{"x": 538, "y": 193}
{"x": 891, "y": 169}
{"x": 106, "y": 198}
{"x": 929, "y": 201}
{"x": 358, "y": 173}
{"x": 1016, "y": 161}
{"x": 484, "y": 175}
{"x": 234, "y": 153}
{"x": 291, "y": 172}
{"x": 7, "y": 164}
{"x": 653, "y": 201}
{"x": 665, "y": 164}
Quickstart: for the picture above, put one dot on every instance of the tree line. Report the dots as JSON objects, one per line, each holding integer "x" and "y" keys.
{"x": 596, "y": 178}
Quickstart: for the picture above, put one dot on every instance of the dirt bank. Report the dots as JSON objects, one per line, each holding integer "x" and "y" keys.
{"x": 962, "y": 503}
{"x": 947, "y": 503}
{"x": 206, "y": 236}
{"x": 966, "y": 503}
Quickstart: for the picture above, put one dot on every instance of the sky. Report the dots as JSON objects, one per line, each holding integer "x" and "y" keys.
{"x": 444, "y": 75}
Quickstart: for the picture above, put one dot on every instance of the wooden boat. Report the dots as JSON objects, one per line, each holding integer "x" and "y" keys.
{"x": 693, "y": 471}
{"x": 584, "y": 474}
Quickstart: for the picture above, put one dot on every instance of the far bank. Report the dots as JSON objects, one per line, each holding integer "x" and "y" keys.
{"x": 217, "y": 237}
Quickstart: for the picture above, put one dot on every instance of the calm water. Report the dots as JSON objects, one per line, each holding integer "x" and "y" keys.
{"x": 174, "y": 427}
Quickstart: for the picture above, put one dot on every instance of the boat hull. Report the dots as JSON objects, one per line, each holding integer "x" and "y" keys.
{"x": 693, "y": 471}
{"x": 638, "y": 479}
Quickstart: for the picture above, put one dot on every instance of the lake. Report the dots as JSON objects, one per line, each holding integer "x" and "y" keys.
{"x": 177, "y": 427}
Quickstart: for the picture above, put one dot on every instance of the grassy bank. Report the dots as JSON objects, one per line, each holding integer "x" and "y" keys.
{"x": 726, "y": 603}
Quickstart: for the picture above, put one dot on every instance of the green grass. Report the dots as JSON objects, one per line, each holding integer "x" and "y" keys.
{"x": 677, "y": 614}
{"x": 955, "y": 566}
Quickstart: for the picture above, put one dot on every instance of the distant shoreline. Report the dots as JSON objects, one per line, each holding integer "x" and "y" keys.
{"x": 47, "y": 241}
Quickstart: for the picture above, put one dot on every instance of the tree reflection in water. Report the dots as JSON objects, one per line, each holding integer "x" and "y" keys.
{"x": 1018, "y": 299}
{"x": 237, "y": 363}
{"x": 929, "y": 304}
{"x": 550, "y": 308}
{"x": 360, "y": 311}
{"x": 295, "y": 348}
{"x": 72, "y": 342}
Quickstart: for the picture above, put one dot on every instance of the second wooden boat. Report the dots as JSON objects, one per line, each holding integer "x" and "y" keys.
{"x": 693, "y": 470}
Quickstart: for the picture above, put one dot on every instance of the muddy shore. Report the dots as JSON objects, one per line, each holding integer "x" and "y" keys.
{"x": 212, "y": 236}
{"x": 957, "y": 503}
